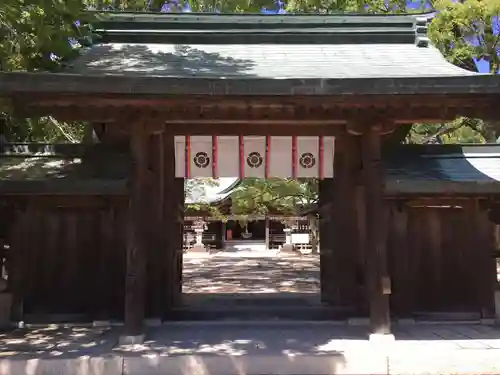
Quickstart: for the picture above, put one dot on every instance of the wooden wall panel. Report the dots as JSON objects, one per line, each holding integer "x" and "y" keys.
{"x": 69, "y": 261}
{"x": 440, "y": 259}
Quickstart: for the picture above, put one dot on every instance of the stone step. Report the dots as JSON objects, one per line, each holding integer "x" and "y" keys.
{"x": 228, "y": 300}
{"x": 319, "y": 313}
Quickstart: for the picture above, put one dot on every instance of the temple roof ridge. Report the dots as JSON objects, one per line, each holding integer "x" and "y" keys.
{"x": 235, "y": 28}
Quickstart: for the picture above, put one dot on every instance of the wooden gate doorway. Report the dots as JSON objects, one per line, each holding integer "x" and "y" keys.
{"x": 299, "y": 157}
{"x": 160, "y": 167}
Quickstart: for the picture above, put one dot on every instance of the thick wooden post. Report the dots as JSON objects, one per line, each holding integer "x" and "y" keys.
{"x": 338, "y": 227}
{"x": 326, "y": 240}
{"x": 347, "y": 167}
{"x": 177, "y": 240}
{"x": 137, "y": 242}
{"x": 173, "y": 226}
{"x": 376, "y": 257}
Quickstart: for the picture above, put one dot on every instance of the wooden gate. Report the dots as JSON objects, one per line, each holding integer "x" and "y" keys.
{"x": 174, "y": 247}
{"x": 166, "y": 208}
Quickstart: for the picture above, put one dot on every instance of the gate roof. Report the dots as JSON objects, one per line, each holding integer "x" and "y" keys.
{"x": 229, "y": 54}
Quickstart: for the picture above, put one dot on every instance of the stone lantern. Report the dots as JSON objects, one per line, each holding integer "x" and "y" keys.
{"x": 199, "y": 227}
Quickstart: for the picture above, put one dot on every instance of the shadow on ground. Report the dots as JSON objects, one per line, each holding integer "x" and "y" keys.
{"x": 56, "y": 341}
{"x": 251, "y": 275}
{"x": 263, "y": 338}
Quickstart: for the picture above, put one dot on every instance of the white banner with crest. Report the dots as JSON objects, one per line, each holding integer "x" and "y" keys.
{"x": 254, "y": 156}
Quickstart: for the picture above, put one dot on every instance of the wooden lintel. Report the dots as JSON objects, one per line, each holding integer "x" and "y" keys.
{"x": 294, "y": 110}
{"x": 250, "y": 128}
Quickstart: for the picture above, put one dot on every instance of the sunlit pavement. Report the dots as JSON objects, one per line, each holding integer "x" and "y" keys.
{"x": 252, "y": 349}
{"x": 250, "y": 269}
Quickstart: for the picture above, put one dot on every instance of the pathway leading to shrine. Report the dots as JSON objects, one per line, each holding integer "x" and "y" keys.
{"x": 251, "y": 271}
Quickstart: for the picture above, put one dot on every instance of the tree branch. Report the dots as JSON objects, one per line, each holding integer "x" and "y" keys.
{"x": 66, "y": 135}
{"x": 442, "y": 131}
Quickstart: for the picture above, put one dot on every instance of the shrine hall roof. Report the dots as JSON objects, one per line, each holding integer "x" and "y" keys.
{"x": 230, "y": 54}
{"x": 210, "y": 191}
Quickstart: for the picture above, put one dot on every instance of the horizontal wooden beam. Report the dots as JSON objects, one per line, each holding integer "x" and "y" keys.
{"x": 353, "y": 101}
{"x": 205, "y": 117}
{"x": 202, "y": 112}
{"x": 272, "y": 129}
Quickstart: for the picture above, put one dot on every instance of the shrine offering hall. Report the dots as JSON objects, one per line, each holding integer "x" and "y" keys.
{"x": 95, "y": 230}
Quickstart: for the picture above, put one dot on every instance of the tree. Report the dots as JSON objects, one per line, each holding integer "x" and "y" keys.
{"x": 264, "y": 196}
{"x": 34, "y": 36}
{"x": 196, "y": 187}
{"x": 277, "y": 196}
{"x": 468, "y": 34}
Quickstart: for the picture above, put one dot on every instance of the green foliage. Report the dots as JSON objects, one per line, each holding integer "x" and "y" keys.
{"x": 35, "y": 34}
{"x": 462, "y": 130}
{"x": 260, "y": 196}
{"x": 464, "y": 31}
{"x": 195, "y": 187}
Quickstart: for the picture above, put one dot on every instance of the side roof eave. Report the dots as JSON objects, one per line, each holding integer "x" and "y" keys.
{"x": 19, "y": 83}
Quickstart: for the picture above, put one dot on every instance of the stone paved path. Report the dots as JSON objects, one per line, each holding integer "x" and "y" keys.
{"x": 250, "y": 272}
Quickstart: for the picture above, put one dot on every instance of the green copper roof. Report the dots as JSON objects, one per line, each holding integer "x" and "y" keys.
{"x": 272, "y": 61}
{"x": 263, "y": 46}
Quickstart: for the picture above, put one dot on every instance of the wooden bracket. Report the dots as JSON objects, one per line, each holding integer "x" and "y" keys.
{"x": 355, "y": 127}
{"x": 384, "y": 125}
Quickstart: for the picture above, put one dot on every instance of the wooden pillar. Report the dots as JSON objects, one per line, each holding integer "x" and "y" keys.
{"x": 155, "y": 265}
{"x": 326, "y": 240}
{"x": 376, "y": 257}
{"x": 347, "y": 167}
{"x": 486, "y": 273}
{"x": 176, "y": 243}
{"x": 137, "y": 238}
{"x": 173, "y": 227}
{"x": 18, "y": 259}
